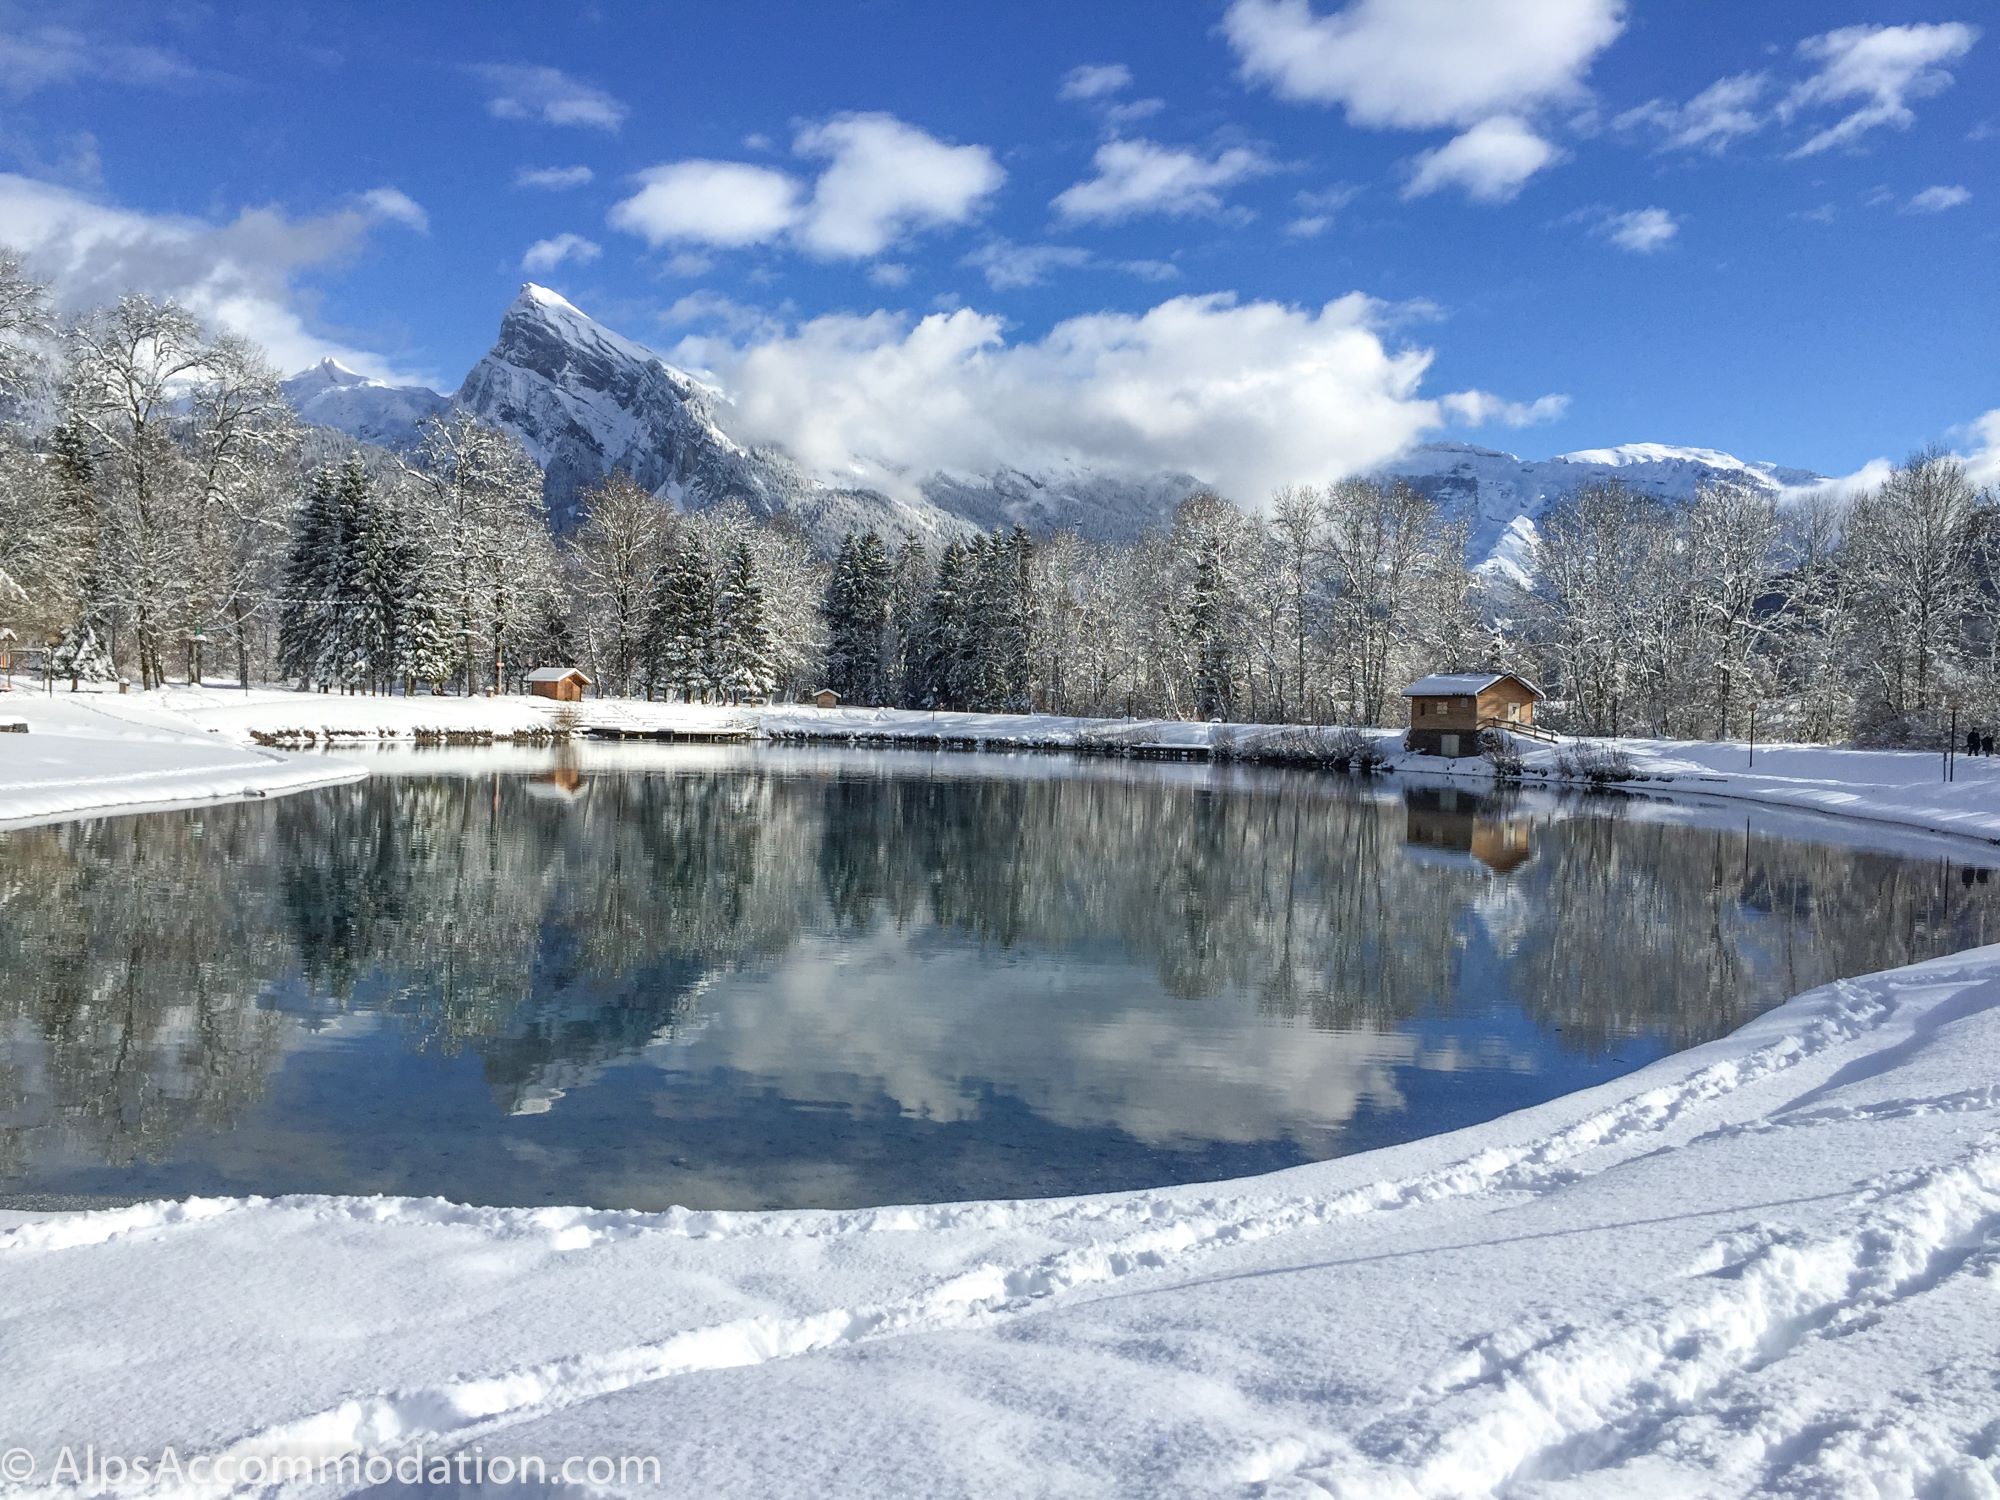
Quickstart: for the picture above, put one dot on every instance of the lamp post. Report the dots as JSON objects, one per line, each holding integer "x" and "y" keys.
{"x": 1753, "y": 731}
{"x": 1951, "y": 742}
{"x": 7, "y": 639}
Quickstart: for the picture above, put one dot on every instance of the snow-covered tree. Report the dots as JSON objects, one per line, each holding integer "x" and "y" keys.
{"x": 743, "y": 642}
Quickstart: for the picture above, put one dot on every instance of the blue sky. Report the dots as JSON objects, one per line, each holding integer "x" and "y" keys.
{"x": 1797, "y": 265}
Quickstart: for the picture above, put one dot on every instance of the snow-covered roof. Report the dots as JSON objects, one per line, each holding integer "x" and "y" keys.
{"x": 1456, "y": 684}
{"x": 555, "y": 674}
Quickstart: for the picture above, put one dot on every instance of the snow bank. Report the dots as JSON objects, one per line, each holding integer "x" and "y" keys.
{"x": 104, "y": 752}
{"x": 1766, "y": 1265}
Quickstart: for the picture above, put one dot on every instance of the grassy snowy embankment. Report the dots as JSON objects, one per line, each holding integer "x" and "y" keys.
{"x": 110, "y": 751}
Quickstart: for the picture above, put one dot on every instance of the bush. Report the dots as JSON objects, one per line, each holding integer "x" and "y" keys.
{"x": 1503, "y": 755}
{"x": 1595, "y": 763}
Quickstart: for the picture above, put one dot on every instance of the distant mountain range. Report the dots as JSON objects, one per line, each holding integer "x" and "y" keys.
{"x": 584, "y": 401}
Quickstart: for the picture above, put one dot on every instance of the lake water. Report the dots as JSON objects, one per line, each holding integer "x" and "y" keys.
{"x": 634, "y": 977}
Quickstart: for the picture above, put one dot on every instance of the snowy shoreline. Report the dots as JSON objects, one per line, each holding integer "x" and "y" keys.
{"x": 1771, "y": 1262}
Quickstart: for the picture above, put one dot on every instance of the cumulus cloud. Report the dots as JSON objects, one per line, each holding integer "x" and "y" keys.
{"x": 240, "y": 275}
{"x": 1248, "y": 395}
{"x": 1414, "y": 64}
{"x": 1641, "y": 230}
{"x": 553, "y": 179}
{"x": 1095, "y": 81}
{"x": 723, "y": 203}
{"x": 397, "y": 206}
{"x": 528, "y": 91}
{"x": 1982, "y": 462}
{"x": 883, "y": 180}
{"x": 1721, "y": 114}
{"x": 1877, "y": 70}
{"x": 1935, "y": 200}
{"x": 1144, "y": 177}
{"x": 1484, "y": 409}
{"x": 546, "y": 255}
{"x": 1491, "y": 162}
{"x": 890, "y": 273}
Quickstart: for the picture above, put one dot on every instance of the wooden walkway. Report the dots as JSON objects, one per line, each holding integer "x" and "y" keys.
{"x": 628, "y": 722}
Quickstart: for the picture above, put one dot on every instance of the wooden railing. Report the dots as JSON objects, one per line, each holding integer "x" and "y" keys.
{"x": 1532, "y": 731}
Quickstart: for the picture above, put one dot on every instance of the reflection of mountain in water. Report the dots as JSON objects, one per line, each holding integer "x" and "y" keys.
{"x": 557, "y": 926}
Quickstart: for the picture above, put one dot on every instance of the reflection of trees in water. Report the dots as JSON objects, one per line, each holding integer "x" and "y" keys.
{"x": 553, "y": 936}
{"x": 130, "y": 978}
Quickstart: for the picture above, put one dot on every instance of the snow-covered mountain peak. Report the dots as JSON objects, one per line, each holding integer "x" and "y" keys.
{"x": 585, "y": 401}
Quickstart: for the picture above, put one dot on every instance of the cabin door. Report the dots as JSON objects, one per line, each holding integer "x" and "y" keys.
{"x": 1448, "y": 745}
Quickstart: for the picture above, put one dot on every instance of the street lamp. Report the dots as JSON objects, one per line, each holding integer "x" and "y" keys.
{"x": 7, "y": 639}
{"x": 1951, "y": 741}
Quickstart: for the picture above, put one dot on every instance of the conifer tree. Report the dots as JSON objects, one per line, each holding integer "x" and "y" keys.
{"x": 743, "y": 655}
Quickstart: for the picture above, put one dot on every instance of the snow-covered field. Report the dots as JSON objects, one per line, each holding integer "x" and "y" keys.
{"x": 1770, "y": 1265}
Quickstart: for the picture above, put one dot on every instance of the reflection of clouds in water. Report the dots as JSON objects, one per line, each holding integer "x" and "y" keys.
{"x": 1082, "y": 1044}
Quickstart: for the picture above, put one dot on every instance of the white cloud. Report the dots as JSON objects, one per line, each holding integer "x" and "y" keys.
{"x": 1490, "y": 162}
{"x": 1641, "y": 230}
{"x": 239, "y": 276}
{"x": 50, "y": 56}
{"x": 725, "y": 203}
{"x": 398, "y": 206}
{"x": 1721, "y": 114}
{"x": 741, "y": 321}
{"x": 1095, "y": 81}
{"x": 1484, "y": 409}
{"x": 1881, "y": 67}
{"x": 1309, "y": 226}
{"x": 889, "y": 273}
{"x": 1423, "y": 63}
{"x": 1141, "y": 177}
{"x": 546, "y": 255}
{"x": 1248, "y": 395}
{"x": 527, "y": 91}
{"x": 1983, "y": 462}
{"x": 1935, "y": 200}
{"x": 882, "y": 181}
{"x": 1006, "y": 265}
{"x": 553, "y": 179}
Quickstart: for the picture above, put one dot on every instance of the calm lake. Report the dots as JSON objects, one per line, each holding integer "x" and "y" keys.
{"x": 640, "y": 976}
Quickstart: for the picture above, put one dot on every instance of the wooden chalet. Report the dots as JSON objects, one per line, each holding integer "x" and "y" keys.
{"x": 565, "y": 684}
{"x": 1449, "y": 709}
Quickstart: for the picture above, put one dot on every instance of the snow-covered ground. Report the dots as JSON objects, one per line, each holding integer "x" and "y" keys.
{"x": 1768, "y": 1265}
{"x": 96, "y": 752}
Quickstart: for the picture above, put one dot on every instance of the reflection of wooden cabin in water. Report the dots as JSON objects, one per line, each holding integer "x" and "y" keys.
{"x": 565, "y": 684}
{"x": 1448, "y": 709}
{"x": 1455, "y": 823}
{"x": 564, "y": 784}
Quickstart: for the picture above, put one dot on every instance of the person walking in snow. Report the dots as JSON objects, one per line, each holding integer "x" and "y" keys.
{"x": 1971, "y": 742}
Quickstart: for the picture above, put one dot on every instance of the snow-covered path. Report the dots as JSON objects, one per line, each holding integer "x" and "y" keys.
{"x": 1768, "y": 1265}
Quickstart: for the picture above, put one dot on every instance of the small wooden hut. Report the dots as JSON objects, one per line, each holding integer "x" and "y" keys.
{"x": 565, "y": 684}
{"x": 1448, "y": 710}
{"x": 825, "y": 698}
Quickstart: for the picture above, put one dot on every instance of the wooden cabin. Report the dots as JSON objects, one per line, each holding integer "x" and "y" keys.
{"x": 1448, "y": 709}
{"x": 565, "y": 684}
{"x": 825, "y": 698}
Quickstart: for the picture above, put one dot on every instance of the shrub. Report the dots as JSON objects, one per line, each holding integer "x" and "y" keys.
{"x": 1502, "y": 754}
{"x": 1595, "y": 763}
